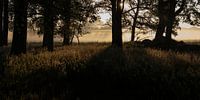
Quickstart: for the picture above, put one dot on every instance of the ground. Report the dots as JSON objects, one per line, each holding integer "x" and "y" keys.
{"x": 97, "y": 71}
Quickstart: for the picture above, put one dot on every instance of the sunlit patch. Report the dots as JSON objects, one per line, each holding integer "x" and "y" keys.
{"x": 121, "y": 5}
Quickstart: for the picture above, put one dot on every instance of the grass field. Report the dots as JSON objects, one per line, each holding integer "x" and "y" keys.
{"x": 97, "y": 71}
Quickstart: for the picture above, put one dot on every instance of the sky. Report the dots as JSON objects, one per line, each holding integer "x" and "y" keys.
{"x": 105, "y": 16}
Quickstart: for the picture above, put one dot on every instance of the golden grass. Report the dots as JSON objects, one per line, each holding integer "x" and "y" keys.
{"x": 169, "y": 71}
{"x": 80, "y": 55}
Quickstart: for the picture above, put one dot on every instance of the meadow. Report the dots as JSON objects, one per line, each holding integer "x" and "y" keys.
{"x": 97, "y": 71}
{"x": 104, "y": 35}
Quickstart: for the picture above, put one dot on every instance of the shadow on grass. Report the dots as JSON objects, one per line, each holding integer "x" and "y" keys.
{"x": 101, "y": 78}
{"x": 120, "y": 74}
{"x": 39, "y": 85}
{"x": 110, "y": 75}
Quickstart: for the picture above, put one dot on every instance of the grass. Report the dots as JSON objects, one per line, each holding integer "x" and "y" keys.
{"x": 99, "y": 72}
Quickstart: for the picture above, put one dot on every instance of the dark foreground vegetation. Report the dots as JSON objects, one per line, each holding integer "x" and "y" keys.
{"x": 101, "y": 72}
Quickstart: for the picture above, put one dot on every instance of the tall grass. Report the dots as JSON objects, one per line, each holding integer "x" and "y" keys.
{"x": 98, "y": 71}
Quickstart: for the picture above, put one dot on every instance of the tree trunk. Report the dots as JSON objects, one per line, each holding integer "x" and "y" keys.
{"x": 135, "y": 22}
{"x": 77, "y": 37}
{"x": 163, "y": 11}
{"x": 20, "y": 27}
{"x": 48, "y": 25}
{"x": 161, "y": 28}
{"x": 171, "y": 19}
{"x": 133, "y": 29}
{"x": 71, "y": 39}
{"x": 116, "y": 24}
{"x": 113, "y": 22}
{"x": 169, "y": 29}
{"x": 5, "y": 23}
{"x": 133, "y": 33}
{"x": 1, "y": 19}
{"x": 66, "y": 40}
{"x": 119, "y": 30}
{"x": 66, "y": 29}
{"x": 66, "y": 33}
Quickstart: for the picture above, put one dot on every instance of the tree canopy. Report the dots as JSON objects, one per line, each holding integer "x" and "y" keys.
{"x": 68, "y": 18}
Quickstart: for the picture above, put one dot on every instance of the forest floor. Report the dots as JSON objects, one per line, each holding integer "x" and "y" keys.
{"x": 97, "y": 71}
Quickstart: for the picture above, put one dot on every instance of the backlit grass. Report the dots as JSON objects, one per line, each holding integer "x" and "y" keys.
{"x": 99, "y": 71}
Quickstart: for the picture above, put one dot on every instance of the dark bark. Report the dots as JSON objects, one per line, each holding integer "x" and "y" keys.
{"x": 66, "y": 40}
{"x": 182, "y": 7}
{"x": 169, "y": 29}
{"x": 71, "y": 39}
{"x": 116, "y": 23}
{"x": 5, "y": 22}
{"x": 66, "y": 33}
{"x": 160, "y": 28}
{"x": 167, "y": 16}
{"x": 135, "y": 22}
{"x": 66, "y": 29}
{"x": 172, "y": 17}
{"x": 113, "y": 21}
{"x": 20, "y": 27}
{"x": 1, "y": 19}
{"x": 77, "y": 37}
{"x": 133, "y": 33}
{"x": 163, "y": 12}
{"x": 48, "y": 25}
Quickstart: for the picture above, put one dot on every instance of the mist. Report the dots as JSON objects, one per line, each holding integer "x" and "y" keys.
{"x": 104, "y": 35}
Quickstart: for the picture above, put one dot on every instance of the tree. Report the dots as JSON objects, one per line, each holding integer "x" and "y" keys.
{"x": 172, "y": 16}
{"x": 74, "y": 16}
{"x": 48, "y": 24}
{"x": 65, "y": 11}
{"x": 1, "y": 19}
{"x": 162, "y": 14}
{"x": 117, "y": 9}
{"x": 20, "y": 27}
{"x": 5, "y": 22}
{"x": 41, "y": 15}
{"x": 168, "y": 10}
{"x": 191, "y": 13}
{"x": 135, "y": 20}
{"x": 138, "y": 15}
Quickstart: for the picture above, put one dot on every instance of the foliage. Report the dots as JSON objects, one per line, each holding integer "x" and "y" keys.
{"x": 80, "y": 12}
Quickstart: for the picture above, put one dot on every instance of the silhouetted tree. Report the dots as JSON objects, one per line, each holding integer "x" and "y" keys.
{"x": 36, "y": 16}
{"x": 41, "y": 15}
{"x": 65, "y": 10}
{"x": 74, "y": 15}
{"x": 135, "y": 20}
{"x": 1, "y": 19}
{"x": 48, "y": 24}
{"x": 5, "y": 22}
{"x": 138, "y": 15}
{"x": 20, "y": 27}
{"x": 163, "y": 12}
{"x": 168, "y": 11}
{"x": 117, "y": 9}
{"x": 191, "y": 13}
{"x": 172, "y": 16}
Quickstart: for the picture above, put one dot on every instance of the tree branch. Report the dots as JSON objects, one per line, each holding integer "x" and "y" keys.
{"x": 181, "y": 8}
